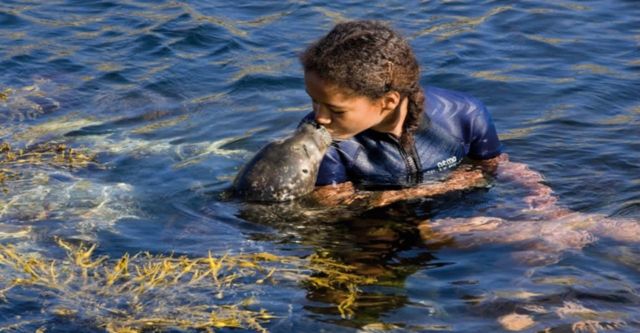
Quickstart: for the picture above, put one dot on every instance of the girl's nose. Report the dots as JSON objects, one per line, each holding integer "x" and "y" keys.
{"x": 322, "y": 115}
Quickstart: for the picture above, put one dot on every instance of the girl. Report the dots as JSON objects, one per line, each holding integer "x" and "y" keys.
{"x": 388, "y": 131}
{"x": 363, "y": 79}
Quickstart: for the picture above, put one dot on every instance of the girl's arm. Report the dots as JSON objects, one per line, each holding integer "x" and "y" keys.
{"x": 345, "y": 194}
{"x": 540, "y": 199}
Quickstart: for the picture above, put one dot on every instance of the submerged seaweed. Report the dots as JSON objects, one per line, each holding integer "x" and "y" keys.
{"x": 52, "y": 154}
{"x": 56, "y": 154}
{"x": 145, "y": 291}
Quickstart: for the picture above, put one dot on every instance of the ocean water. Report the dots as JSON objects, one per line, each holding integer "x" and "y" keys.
{"x": 134, "y": 116}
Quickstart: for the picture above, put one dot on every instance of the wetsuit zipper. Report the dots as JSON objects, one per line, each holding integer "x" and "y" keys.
{"x": 415, "y": 160}
{"x": 410, "y": 158}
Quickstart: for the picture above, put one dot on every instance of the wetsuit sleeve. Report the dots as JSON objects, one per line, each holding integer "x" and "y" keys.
{"x": 484, "y": 143}
{"x": 332, "y": 169}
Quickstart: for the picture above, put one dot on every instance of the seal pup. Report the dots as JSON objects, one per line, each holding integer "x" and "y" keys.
{"x": 284, "y": 169}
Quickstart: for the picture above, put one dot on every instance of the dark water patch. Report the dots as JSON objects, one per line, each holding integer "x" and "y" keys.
{"x": 65, "y": 66}
{"x": 150, "y": 44}
{"x": 162, "y": 51}
{"x": 225, "y": 47}
{"x": 206, "y": 38}
{"x": 25, "y": 59}
{"x": 9, "y": 66}
{"x": 251, "y": 82}
{"x": 167, "y": 88}
{"x": 9, "y": 20}
{"x": 92, "y": 7}
{"x": 630, "y": 209}
{"x": 175, "y": 26}
{"x": 114, "y": 78}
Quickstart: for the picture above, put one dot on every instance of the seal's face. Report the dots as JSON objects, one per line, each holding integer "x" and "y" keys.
{"x": 284, "y": 169}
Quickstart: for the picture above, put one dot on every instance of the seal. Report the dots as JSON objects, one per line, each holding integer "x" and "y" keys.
{"x": 285, "y": 169}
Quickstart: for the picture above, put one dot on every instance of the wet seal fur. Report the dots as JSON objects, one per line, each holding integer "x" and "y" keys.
{"x": 285, "y": 169}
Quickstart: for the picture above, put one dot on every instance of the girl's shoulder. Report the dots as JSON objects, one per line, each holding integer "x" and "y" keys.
{"x": 464, "y": 117}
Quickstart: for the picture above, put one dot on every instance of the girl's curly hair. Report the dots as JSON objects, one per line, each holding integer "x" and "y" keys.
{"x": 370, "y": 59}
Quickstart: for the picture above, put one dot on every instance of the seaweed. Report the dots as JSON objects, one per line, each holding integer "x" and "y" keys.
{"x": 56, "y": 154}
{"x": 333, "y": 276}
{"x": 50, "y": 153}
{"x": 4, "y": 95}
{"x": 161, "y": 292}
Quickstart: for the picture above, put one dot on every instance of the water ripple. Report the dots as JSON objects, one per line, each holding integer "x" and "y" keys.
{"x": 170, "y": 96}
{"x": 460, "y": 24}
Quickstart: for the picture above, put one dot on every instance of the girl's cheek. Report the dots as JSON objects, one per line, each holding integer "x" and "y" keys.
{"x": 336, "y": 122}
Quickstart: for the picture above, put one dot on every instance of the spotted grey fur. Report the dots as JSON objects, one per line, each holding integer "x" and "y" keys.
{"x": 285, "y": 169}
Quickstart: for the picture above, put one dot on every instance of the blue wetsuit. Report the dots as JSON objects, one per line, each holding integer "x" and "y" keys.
{"x": 456, "y": 126}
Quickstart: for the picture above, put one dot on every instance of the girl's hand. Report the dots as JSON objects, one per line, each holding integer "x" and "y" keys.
{"x": 345, "y": 194}
{"x": 460, "y": 179}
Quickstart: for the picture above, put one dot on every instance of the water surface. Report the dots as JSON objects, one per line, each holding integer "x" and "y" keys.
{"x": 172, "y": 97}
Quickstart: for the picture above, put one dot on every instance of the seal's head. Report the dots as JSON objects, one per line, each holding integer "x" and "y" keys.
{"x": 284, "y": 169}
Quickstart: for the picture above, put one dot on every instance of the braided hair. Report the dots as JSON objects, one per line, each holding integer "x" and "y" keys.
{"x": 370, "y": 59}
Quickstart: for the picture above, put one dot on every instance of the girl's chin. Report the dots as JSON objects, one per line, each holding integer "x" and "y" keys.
{"x": 340, "y": 137}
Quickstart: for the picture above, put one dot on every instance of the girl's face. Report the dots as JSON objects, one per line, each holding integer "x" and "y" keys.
{"x": 342, "y": 114}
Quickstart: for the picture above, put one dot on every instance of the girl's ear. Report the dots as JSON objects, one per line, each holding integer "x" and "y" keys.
{"x": 390, "y": 101}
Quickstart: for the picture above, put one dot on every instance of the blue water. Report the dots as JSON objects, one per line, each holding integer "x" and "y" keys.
{"x": 173, "y": 97}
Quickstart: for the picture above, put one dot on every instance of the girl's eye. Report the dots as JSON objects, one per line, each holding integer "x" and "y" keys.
{"x": 332, "y": 110}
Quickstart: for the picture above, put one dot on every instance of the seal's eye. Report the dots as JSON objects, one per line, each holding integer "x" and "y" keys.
{"x": 305, "y": 171}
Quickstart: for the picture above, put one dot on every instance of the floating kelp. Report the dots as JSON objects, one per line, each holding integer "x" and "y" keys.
{"x": 53, "y": 154}
{"x": 4, "y": 95}
{"x": 330, "y": 275}
{"x": 157, "y": 292}
{"x": 56, "y": 154}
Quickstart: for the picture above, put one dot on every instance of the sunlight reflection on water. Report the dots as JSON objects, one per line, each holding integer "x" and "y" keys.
{"x": 172, "y": 97}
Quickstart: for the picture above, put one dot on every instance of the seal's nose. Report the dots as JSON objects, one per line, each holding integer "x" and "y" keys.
{"x": 315, "y": 124}
{"x": 319, "y": 132}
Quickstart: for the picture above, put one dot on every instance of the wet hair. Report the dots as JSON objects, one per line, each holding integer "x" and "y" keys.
{"x": 370, "y": 59}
